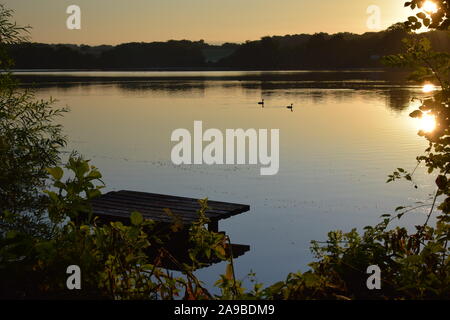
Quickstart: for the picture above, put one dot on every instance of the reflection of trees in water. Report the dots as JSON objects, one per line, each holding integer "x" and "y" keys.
{"x": 397, "y": 99}
{"x": 130, "y": 87}
{"x": 196, "y": 88}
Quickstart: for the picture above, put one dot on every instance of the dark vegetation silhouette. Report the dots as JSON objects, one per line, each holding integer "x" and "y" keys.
{"x": 303, "y": 51}
{"x": 321, "y": 50}
{"x": 155, "y": 55}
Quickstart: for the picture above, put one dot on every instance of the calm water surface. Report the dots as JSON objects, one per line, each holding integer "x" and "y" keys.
{"x": 345, "y": 136}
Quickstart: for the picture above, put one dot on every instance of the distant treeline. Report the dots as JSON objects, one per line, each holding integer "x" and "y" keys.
{"x": 303, "y": 51}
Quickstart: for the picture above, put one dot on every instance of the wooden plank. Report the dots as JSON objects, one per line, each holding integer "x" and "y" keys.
{"x": 126, "y": 214}
{"x": 151, "y": 206}
{"x": 153, "y": 195}
{"x": 170, "y": 201}
{"x": 151, "y": 209}
{"x": 158, "y": 204}
{"x": 186, "y": 202}
{"x": 157, "y": 215}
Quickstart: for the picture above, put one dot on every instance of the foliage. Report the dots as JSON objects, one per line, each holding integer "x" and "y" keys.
{"x": 433, "y": 20}
{"x": 30, "y": 141}
{"x": 411, "y": 267}
{"x": 113, "y": 256}
{"x": 205, "y": 243}
{"x": 73, "y": 196}
{"x": 10, "y": 33}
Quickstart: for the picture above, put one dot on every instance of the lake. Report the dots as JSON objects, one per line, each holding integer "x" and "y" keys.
{"x": 347, "y": 132}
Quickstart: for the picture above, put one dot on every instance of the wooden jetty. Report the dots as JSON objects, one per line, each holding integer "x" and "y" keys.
{"x": 118, "y": 205}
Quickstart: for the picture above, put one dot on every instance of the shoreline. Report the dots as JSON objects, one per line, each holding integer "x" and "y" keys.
{"x": 347, "y": 78}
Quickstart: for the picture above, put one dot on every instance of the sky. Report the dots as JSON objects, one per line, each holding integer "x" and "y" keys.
{"x": 215, "y": 21}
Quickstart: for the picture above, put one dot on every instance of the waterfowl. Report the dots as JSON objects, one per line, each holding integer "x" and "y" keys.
{"x": 261, "y": 102}
{"x": 291, "y": 106}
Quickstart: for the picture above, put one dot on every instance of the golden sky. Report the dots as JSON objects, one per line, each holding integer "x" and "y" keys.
{"x": 215, "y": 21}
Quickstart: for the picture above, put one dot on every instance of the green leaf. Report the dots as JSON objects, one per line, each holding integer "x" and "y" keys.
{"x": 441, "y": 182}
{"x": 11, "y": 234}
{"x": 95, "y": 174}
{"x": 136, "y": 218}
{"x": 94, "y": 193}
{"x": 416, "y": 114}
{"x": 56, "y": 172}
{"x": 275, "y": 288}
{"x": 133, "y": 233}
{"x": 421, "y": 15}
{"x": 53, "y": 195}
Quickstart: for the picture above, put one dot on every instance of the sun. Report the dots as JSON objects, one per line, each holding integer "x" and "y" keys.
{"x": 427, "y": 123}
{"x": 430, "y": 7}
{"x": 427, "y": 88}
